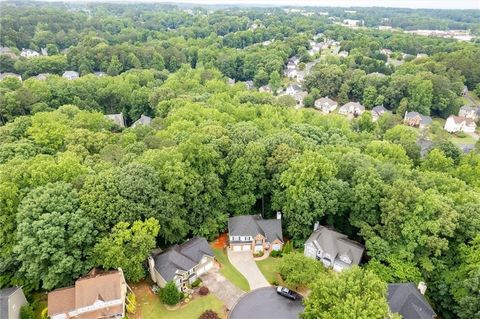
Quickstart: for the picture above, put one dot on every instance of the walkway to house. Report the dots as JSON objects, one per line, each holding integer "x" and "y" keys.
{"x": 222, "y": 288}
{"x": 243, "y": 261}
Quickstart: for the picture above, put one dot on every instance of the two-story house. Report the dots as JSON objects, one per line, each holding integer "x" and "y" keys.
{"x": 416, "y": 119}
{"x": 11, "y": 300}
{"x": 100, "y": 294}
{"x": 459, "y": 124}
{"x": 325, "y": 104}
{"x": 409, "y": 301}
{"x": 333, "y": 249}
{"x": 182, "y": 264}
{"x": 353, "y": 108}
{"x": 253, "y": 233}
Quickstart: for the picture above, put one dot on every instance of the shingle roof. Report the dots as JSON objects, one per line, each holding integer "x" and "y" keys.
{"x": 182, "y": 257}
{"x": 326, "y": 100}
{"x": 380, "y": 109}
{"x": 143, "y": 120}
{"x": 4, "y": 295}
{"x": 406, "y": 300}
{"x": 424, "y": 118}
{"x": 117, "y": 119}
{"x": 336, "y": 244}
{"x": 252, "y": 225}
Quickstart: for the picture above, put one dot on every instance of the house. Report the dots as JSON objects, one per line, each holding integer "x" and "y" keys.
{"x": 118, "y": 119}
{"x": 353, "y": 108}
{"x": 459, "y": 124}
{"x": 299, "y": 97}
{"x": 291, "y": 65}
{"x": 9, "y": 74}
{"x": 294, "y": 60}
{"x": 378, "y": 111}
{"x": 265, "y": 88}
{"x": 333, "y": 249}
{"x": 352, "y": 22}
{"x": 464, "y": 90}
{"x": 28, "y": 53}
{"x": 387, "y": 52}
{"x": 70, "y": 75}
{"x": 231, "y": 81}
{"x": 292, "y": 89}
{"x": 417, "y": 120}
{"x": 325, "y": 104}
{"x": 470, "y": 112}
{"x": 408, "y": 301}
{"x": 11, "y": 300}
{"x": 250, "y": 85}
{"x": 100, "y": 294}
{"x": 291, "y": 73}
{"x": 42, "y": 76}
{"x": 182, "y": 264}
{"x": 143, "y": 120}
{"x": 8, "y": 51}
{"x": 100, "y": 74}
{"x": 253, "y": 233}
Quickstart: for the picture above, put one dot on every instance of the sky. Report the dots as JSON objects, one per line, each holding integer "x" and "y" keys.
{"x": 430, "y": 4}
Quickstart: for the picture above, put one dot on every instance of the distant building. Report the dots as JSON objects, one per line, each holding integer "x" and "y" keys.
{"x": 325, "y": 105}
{"x": 250, "y": 85}
{"x": 293, "y": 89}
{"x": 387, "y": 52}
{"x": 299, "y": 97}
{"x": 343, "y": 54}
{"x": 464, "y": 90}
{"x": 231, "y": 81}
{"x": 11, "y": 300}
{"x": 143, "y": 120}
{"x": 378, "y": 111}
{"x": 416, "y": 119}
{"x": 42, "y": 76}
{"x": 70, "y": 75}
{"x": 265, "y": 88}
{"x": 459, "y": 124}
{"x": 118, "y": 119}
{"x": 353, "y": 108}
{"x": 470, "y": 112}
{"x": 9, "y": 74}
{"x": 100, "y": 74}
{"x": 8, "y": 51}
{"x": 408, "y": 301}
{"x": 28, "y": 53}
{"x": 352, "y": 23}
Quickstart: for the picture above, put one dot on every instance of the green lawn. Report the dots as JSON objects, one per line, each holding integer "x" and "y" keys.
{"x": 269, "y": 268}
{"x": 152, "y": 308}
{"x": 463, "y": 140}
{"x": 230, "y": 272}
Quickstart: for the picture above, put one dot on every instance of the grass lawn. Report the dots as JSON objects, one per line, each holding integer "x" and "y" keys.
{"x": 463, "y": 140}
{"x": 149, "y": 306}
{"x": 230, "y": 272}
{"x": 269, "y": 268}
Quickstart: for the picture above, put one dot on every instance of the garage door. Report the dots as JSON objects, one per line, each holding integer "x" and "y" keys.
{"x": 204, "y": 269}
{"x": 276, "y": 247}
{"x": 246, "y": 247}
{"x": 237, "y": 248}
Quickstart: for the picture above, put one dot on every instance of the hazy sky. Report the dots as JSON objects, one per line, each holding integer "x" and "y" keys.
{"x": 440, "y": 4}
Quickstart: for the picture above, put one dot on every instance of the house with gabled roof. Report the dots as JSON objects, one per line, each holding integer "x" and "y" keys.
{"x": 11, "y": 300}
{"x": 10, "y": 74}
{"x": 143, "y": 120}
{"x": 378, "y": 111}
{"x": 333, "y": 249}
{"x": 100, "y": 294}
{"x": 253, "y": 233}
{"x": 70, "y": 75}
{"x": 353, "y": 108}
{"x": 416, "y": 119}
{"x": 325, "y": 104}
{"x": 118, "y": 119}
{"x": 459, "y": 124}
{"x": 408, "y": 301}
{"x": 470, "y": 112}
{"x": 182, "y": 264}
{"x": 265, "y": 89}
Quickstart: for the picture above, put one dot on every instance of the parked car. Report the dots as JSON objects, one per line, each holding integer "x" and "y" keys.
{"x": 285, "y": 292}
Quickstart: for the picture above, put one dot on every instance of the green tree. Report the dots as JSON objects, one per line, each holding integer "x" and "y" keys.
{"x": 127, "y": 247}
{"x": 170, "y": 294}
{"x": 369, "y": 97}
{"x": 275, "y": 81}
{"x": 298, "y": 270}
{"x": 115, "y": 66}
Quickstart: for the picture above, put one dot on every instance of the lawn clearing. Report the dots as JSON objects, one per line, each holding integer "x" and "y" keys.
{"x": 230, "y": 272}
{"x": 149, "y": 306}
{"x": 269, "y": 268}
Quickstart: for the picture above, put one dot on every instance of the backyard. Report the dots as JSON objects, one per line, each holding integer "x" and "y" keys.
{"x": 149, "y": 305}
{"x": 230, "y": 272}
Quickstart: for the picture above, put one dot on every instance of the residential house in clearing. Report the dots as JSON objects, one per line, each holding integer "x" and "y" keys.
{"x": 28, "y": 53}
{"x": 9, "y": 74}
{"x": 250, "y": 85}
{"x": 291, "y": 73}
{"x": 70, "y": 75}
{"x": 100, "y": 294}
{"x": 182, "y": 264}
{"x": 292, "y": 89}
{"x": 470, "y": 112}
{"x": 378, "y": 111}
{"x": 416, "y": 119}
{"x": 118, "y": 119}
{"x": 100, "y": 74}
{"x": 459, "y": 124}
{"x": 11, "y": 300}
{"x": 352, "y": 108}
{"x": 143, "y": 120}
{"x": 409, "y": 301}
{"x": 253, "y": 233}
{"x": 265, "y": 89}
{"x": 333, "y": 249}
{"x": 464, "y": 90}
{"x": 325, "y": 104}
{"x": 42, "y": 76}
{"x": 299, "y": 97}
{"x": 230, "y": 81}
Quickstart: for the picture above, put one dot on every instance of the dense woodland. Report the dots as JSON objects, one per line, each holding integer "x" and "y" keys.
{"x": 68, "y": 176}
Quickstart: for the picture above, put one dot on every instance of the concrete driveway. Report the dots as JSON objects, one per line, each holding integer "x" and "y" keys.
{"x": 243, "y": 261}
{"x": 222, "y": 288}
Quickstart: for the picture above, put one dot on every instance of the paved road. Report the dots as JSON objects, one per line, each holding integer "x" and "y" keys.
{"x": 245, "y": 264}
{"x": 264, "y": 303}
{"x": 222, "y": 288}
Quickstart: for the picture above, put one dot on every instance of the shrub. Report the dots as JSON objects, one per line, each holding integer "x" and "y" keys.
{"x": 276, "y": 253}
{"x": 170, "y": 294}
{"x": 196, "y": 283}
{"x": 209, "y": 314}
{"x": 288, "y": 247}
{"x": 26, "y": 312}
{"x": 203, "y": 291}
{"x": 131, "y": 303}
{"x": 258, "y": 254}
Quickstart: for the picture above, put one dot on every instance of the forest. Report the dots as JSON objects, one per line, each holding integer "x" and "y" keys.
{"x": 68, "y": 175}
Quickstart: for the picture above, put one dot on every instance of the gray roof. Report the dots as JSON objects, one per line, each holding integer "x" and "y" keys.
{"x": 425, "y": 120}
{"x": 295, "y": 87}
{"x": 4, "y": 295}
{"x": 379, "y": 110}
{"x": 6, "y": 74}
{"x": 336, "y": 244}
{"x": 406, "y": 300}
{"x": 143, "y": 120}
{"x": 70, "y": 74}
{"x": 354, "y": 105}
{"x": 252, "y": 225}
{"x": 117, "y": 119}
{"x": 182, "y": 257}
{"x": 326, "y": 100}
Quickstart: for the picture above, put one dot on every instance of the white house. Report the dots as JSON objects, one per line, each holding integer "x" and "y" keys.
{"x": 325, "y": 104}
{"x": 292, "y": 89}
{"x": 28, "y": 53}
{"x": 353, "y": 108}
{"x": 459, "y": 124}
{"x": 70, "y": 75}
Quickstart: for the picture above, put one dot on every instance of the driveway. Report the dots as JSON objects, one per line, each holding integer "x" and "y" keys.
{"x": 222, "y": 288}
{"x": 243, "y": 261}
{"x": 264, "y": 303}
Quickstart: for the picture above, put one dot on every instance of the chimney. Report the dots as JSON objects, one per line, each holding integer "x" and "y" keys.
{"x": 279, "y": 215}
{"x": 422, "y": 286}
{"x": 316, "y": 225}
